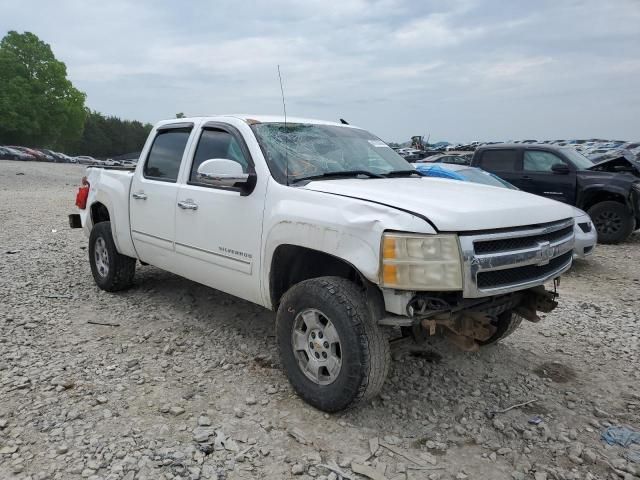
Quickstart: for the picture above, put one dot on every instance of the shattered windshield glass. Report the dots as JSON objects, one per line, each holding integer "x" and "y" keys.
{"x": 310, "y": 150}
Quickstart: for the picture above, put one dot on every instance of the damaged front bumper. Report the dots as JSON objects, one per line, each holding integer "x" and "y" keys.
{"x": 471, "y": 322}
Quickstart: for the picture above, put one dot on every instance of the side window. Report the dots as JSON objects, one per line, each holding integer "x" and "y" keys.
{"x": 163, "y": 161}
{"x": 217, "y": 144}
{"x": 499, "y": 160}
{"x": 538, "y": 161}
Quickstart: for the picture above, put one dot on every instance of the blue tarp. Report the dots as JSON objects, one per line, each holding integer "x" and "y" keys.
{"x": 623, "y": 436}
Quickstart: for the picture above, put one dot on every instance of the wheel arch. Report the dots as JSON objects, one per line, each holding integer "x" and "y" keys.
{"x": 99, "y": 213}
{"x": 594, "y": 196}
{"x": 103, "y": 207}
{"x": 291, "y": 264}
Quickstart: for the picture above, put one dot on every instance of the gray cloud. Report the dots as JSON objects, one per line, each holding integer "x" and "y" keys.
{"x": 460, "y": 70}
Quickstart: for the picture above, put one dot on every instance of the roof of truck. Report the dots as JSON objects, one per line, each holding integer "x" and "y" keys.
{"x": 251, "y": 118}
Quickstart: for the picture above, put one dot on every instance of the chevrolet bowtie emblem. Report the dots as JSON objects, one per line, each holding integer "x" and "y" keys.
{"x": 545, "y": 252}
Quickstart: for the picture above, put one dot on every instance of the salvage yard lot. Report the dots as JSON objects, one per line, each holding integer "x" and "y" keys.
{"x": 122, "y": 399}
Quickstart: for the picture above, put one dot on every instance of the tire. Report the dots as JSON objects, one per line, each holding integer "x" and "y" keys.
{"x": 507, "y": 323}
{"x": 111, "y": 270}
{"x": 613, "y": 221}
{"x": 334, "y": 310}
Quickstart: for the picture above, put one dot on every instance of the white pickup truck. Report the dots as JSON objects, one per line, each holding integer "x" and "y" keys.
{"x": 329, "y": 227}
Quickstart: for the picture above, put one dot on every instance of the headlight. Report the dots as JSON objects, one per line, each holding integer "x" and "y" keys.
{"x": 420, "y": 262}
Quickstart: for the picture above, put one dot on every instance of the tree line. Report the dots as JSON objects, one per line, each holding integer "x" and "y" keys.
{"x": 40, "y": 107}
{"x": 104, "y": 136}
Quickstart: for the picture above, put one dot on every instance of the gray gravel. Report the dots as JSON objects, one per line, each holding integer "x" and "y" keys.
{"x": 188, "y": 385}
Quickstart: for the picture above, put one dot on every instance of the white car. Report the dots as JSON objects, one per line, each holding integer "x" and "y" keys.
{"x": 326, "y": 225}
{"x": 586, "y": 234}
{"x": 85, "y": 160}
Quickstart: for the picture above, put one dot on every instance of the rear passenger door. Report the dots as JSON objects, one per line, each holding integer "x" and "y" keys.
{"x": 502, "y": 162}
{"x": 153, "y": 196}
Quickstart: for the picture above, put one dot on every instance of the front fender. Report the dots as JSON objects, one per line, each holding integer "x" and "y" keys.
{"x": 347, "y": 228}
{"x": 591, "y": 191}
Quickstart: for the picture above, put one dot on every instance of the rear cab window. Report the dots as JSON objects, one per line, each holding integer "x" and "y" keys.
{"x": 165, "y": 156}
{"x": 502, "y": 160}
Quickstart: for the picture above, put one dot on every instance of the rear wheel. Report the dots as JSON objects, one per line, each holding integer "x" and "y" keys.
{"x": 111, "y": 270}
{"x": 613, "y": 221}
{"x": 332, "y": 350}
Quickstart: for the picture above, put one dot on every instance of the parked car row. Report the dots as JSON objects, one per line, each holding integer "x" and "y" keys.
{"x": 13, "y": 152}
{"x": 29, "y": 154}
{"x": 594, "y": 149}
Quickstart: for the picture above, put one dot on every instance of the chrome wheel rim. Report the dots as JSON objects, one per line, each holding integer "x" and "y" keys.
{"x": 101, "y": 257}
{"x": 316, "y": 346}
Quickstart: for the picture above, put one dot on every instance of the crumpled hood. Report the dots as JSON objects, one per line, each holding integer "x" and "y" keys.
{"x": 451, "y": 205}
{"x": 617, "y": 164}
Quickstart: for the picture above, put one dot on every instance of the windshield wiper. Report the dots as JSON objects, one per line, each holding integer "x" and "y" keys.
{"x": 401, "y": 173}
{"x": 345, "y": 173}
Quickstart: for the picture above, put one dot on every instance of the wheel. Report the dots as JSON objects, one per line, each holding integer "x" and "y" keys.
{"x": 613, "y": 221}
{"x": 332, "y": 350}
{"x": 111, "y": 270}
{"x": 506, "y": 323}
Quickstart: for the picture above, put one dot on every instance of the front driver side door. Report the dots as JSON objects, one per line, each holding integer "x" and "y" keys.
{"x": 218, "y": 229}
{"x": 539, "y": 178}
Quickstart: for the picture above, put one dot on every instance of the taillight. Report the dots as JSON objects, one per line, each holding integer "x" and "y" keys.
{"x": 83, "y": 194}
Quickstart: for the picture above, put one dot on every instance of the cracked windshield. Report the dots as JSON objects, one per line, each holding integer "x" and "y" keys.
{"x": 307, "y": 151}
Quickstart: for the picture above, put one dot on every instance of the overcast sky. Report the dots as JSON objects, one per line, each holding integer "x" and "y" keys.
{"x": 459, "y": 70}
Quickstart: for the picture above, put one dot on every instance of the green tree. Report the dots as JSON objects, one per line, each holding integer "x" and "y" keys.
{"x": 39, "y": 106}
{"x": 105, "y": 137}
{"x": 180, "y": 115}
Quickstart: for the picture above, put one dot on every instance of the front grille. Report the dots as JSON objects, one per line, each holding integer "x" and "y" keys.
{"x": 519, "y": 243}
{"x": 512, "y": 276}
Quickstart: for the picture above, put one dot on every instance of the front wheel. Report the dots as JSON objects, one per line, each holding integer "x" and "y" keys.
{"x": 332, "y": 350}
{"x": 111, "y": 270}
{"x": 506, "y": 323}
{"x": 613, "y": 221}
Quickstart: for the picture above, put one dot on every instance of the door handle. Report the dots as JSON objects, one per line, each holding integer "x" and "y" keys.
{"x": 139, "y": 196}
{"x": 525, "y": 177}
{"x": 187, "y": 205}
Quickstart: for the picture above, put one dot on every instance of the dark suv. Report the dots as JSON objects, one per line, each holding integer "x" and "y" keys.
{"x": 609, "y": 191}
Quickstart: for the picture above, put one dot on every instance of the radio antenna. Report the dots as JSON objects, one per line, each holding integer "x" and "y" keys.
{"x": 286, "y": 150}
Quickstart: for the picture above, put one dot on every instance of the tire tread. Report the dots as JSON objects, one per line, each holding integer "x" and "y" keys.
{"x": 372, "y": 339}
{"x": 123, "y": 267}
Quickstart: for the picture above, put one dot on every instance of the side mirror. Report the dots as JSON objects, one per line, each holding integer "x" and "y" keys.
{"x": 560, "y": 168}
{"x": 220, "y": 172}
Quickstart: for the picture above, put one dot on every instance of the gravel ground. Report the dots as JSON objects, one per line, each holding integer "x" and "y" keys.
{"x": 186, "y": 383}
